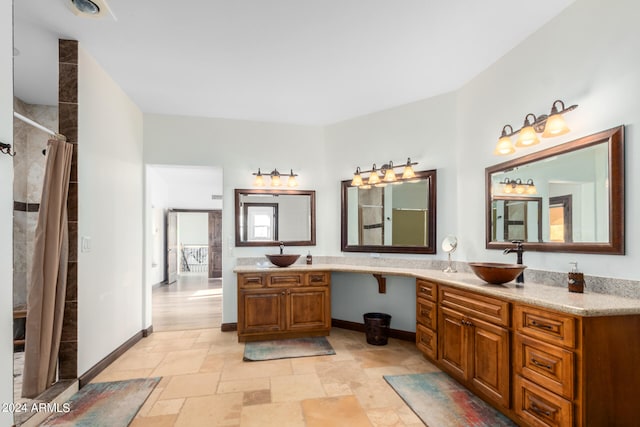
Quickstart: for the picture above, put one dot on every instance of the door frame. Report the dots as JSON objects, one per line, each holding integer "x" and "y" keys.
{"x": 212, "y": 247}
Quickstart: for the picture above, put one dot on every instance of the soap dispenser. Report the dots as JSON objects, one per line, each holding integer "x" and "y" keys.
{"x": 576, "y": 279}
{"x": 309, "y": 258}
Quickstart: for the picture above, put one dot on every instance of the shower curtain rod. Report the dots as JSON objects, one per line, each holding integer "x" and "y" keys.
{"x": 27, "y": 120}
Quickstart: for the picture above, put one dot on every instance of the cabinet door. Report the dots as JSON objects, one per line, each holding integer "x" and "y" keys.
{"x": 490, "y": 356}
{"x": 308, "y": 308}
{"x": 453, "y": 343}
{"x": 261, "y": 310}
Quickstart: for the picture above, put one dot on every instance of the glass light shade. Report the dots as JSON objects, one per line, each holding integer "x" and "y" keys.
{"x": 507, "y": 188}
{"x": 408, "y": 173}
{"x": 527, "y": 137}
{"x": 373, "y": 178}
{"x": 531, "y": 189}
{"x": 504, "y": 147}
{"x": 292, "y": 182}
{"x": 389, "y": 175}
{"x": 259, "y": 181}
{"x": 555, "y": 126}
{"x": 275, "y": 180}
{"x": 357, "y": 180}
{"x": 520, "y": 189}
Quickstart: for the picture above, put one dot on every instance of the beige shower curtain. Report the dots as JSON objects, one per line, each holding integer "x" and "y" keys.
{"x": 46, "y": 292}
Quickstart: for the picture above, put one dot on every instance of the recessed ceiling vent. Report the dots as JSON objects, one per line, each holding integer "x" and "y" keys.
{"x": 90, "y": 8}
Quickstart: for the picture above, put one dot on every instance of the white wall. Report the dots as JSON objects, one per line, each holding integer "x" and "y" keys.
{"x": 193, "y": 228}
{"x": 588, "y": 55}
{"x": 110, "y": 211}
{"x": 6, "y": 210}
{"x": 240, "y": 148}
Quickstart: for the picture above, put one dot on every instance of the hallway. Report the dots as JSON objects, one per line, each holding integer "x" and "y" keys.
{"x": 192, "y": 302}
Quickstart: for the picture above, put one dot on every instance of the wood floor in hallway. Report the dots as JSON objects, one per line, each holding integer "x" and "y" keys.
{"x": 193, "y": 302}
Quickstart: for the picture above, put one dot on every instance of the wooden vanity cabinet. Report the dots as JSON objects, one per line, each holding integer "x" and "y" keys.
{"x": 572, "y": 370}
{"x": 474, "y": 342}
{"x": 427, "y": 317}
{"x": 283, "y": 304}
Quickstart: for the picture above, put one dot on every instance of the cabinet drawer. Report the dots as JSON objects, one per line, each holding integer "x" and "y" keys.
{"x": 426, "y": 313}
{"x": 427, "y": 341}
{"x": 250, "y": 280}
{"x": 318, "y": 278}
{"x": 277, "y": 280}
{"x": 481, "y": 307}
{"x": 547, "y": 365}
{"x": 548, "y": 326}
{"x": 426, "y": 290}
{"x": 539, "y": 407}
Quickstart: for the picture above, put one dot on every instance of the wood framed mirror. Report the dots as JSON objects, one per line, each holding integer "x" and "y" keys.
{"x": 567, "y": 198}
{"x": 266, "y": 217}
{"x": 395, "y": 218}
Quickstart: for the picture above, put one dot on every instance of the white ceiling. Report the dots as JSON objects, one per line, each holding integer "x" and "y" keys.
{"x": 296, "y": 61}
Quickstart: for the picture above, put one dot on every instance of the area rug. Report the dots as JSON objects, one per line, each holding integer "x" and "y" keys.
{"x": 439, "y": 401}
{"x": 106, "y": 404}
{"x": 284, "y": 349}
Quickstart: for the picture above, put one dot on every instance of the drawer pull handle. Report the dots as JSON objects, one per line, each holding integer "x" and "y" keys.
{"x": 541, "y": 325}
{"x": 535, "y": 408}
{"x": 540, "y": 364}
{"x": 252, "y": 280}
{"x": 316, "y": 278}
{"x": 425, "y": 290}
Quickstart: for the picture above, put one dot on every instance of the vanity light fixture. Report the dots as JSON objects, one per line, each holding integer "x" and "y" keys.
{"x": 548, "y": 125}
{"x": 259, "y": 181}
{"x": 517, "y": 186}
{"x": 383, "y": 176}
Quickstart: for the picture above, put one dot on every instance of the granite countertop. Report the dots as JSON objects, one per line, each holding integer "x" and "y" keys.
{"x": 588, "y": 304}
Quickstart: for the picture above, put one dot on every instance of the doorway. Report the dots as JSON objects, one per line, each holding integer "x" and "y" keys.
{"x": 184, "y": 241}
{"x": 560, "y": 218}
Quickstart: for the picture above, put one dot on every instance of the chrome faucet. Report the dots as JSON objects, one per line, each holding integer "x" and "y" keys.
{"x": 282, "y": 248}
{"x": 519, "y": 250}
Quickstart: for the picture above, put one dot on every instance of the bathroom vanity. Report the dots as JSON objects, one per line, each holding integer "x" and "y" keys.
{"x": 540, "y": 366}
{"x": 279, "y": 303}
{"x": 539, "y": 354}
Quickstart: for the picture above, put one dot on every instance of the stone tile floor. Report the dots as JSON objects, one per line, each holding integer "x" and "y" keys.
{"x": 206, "y": 383}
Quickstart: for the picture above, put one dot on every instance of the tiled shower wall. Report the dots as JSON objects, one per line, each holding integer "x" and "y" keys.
{"x": 28, "y": 167}
{"x": 68, "y": 117}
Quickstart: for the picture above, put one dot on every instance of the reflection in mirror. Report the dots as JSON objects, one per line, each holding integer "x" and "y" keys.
{"x": 576, "y": 204}
{"x": 397, "y": 217}
{"x": 268, "y": 217}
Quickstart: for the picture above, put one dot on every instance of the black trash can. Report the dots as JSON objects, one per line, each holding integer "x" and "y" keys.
{"x": 376, "y": 326}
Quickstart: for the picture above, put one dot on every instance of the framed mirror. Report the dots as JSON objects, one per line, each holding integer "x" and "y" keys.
{"x": 567, "y": 198}
{"x": 266, "y": 217}
{"x": 395, "y": 218}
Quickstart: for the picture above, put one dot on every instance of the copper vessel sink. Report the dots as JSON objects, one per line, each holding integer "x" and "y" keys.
{"x": 496, "y": 273}
{"x": 282, "y": 260}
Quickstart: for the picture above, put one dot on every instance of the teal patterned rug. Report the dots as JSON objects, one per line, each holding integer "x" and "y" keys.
{"x": 107, "y": 404}
{"x": 439, "y": 401}
{"x": 285, "y": 349}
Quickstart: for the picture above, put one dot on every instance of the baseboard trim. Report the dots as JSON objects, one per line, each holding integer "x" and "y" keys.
{"x": 355, "y": 326}
{"x": 229, "y": 327}
{"x": 85, "y": 378}
{"x": 147, "y": 332}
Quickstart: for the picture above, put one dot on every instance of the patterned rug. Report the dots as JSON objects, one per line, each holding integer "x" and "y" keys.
{"x": 104, "y": 404}
{"x": 439, "y": 401}
{"x": 285, "y": 349}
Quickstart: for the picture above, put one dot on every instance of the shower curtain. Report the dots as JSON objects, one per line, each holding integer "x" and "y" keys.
{"x": 46, "y": 291}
